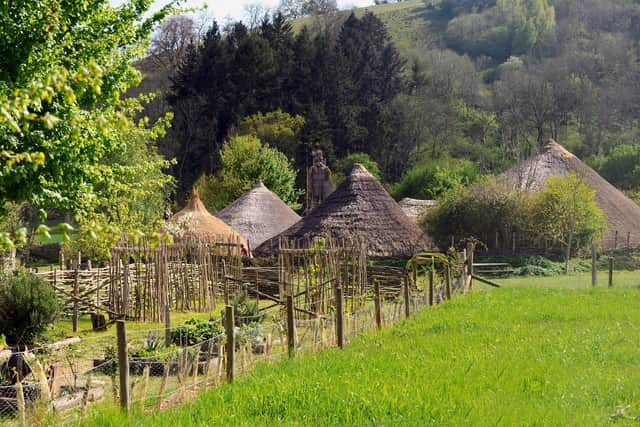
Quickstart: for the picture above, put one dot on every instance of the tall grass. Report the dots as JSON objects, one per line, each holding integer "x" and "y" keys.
{"x": 515, "y": 356}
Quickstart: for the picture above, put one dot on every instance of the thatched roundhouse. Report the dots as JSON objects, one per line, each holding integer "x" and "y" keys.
{"x": 195, "y": 222}
{"x": 258, "y": 215}
{"x": 359, "y": 209}
{"x": 622, "y": 213}
{"x": 416, "y": 209}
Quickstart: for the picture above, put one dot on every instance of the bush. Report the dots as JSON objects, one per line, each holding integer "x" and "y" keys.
{"x": 434, "y": 178}
{"x": 195, "y": 331}
{"x": 27, "y": 306}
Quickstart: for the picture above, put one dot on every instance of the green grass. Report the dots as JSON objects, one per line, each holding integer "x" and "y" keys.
{"x": 513, "y": 356}
{"x": 621, "y": 279}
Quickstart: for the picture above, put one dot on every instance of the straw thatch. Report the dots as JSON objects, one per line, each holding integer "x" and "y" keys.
{"x": 416, "y": 209}
{"x": 359, "y": 209}
{"x": 554, "y": 160}
{"x": 258, "y": 215}
{"x": 194, "y": 221}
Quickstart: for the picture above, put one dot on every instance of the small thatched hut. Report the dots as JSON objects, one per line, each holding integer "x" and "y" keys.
{"x": 194, "y": 221}
{"x": 360, "y": 209}
{"x": 416, "y": 209}
{"x": 554, "y": 160}
{"x": 258, "y": 215}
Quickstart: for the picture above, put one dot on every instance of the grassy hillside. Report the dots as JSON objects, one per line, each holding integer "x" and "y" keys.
{"x": 518, "y": 356}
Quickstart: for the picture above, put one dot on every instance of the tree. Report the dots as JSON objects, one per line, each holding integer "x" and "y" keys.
{"x": 565, "y": 209}
{"x": 433, "y": 178}
{"x": 277, "y": 129}
{"x": 344, "y": 166}
{"x": 62, "y": 72}
{"x": 245, "y": 160}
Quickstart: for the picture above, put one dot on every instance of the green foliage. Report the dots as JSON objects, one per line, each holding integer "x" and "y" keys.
{"x": 479, "y": 211}
{"x": 62, "y": 72}
{"x": 195, "y": 331}
{"x": 435, "y": 178}
{"x": 246, "y": 310}
{"x": 245, "y": 160}
{"x": 27, "y": 306}
{"x": 565, "y": 209}
{"x": 344, "y": 166}
{"x": 277, "y": 129}
{"x": 621, "y": 167}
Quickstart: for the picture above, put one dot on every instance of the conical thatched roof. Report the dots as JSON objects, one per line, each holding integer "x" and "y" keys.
{"x": 195, "y": 221}
{"x": 361, "y": 209}
{"x": 554, "y": 160}
{"x": 258, "y": 215}
{"x": 416, "y": 209}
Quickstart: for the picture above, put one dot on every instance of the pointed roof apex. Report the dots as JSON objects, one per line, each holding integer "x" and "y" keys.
{"x": 359, "y": 169}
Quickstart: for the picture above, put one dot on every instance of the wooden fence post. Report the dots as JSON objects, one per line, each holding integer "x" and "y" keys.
{"x": 76, "y": 285}
{"x": 594, "y": 267}
{"x": 615, "y": 241}
{"x": 407, "y": 298}
{"x": 291, "y": 327}
{"x": 339, "y": 317}
{"x": 378, "y": 303}
{"x": 123, "y": 365}
{"x": 611, "y": 272}
{"x": 447, "y": 281}
{"x": 470, "y": 250}
{"x": 167, "y": 325}
{"x": 229, "y": 325}
{"x": 430, "y": 287}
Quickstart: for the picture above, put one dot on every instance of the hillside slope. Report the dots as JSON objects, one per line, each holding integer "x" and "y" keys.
{"x": 505, "y": 357}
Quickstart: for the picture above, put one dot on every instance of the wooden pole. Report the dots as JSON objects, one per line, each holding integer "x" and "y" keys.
{"x": 167, "y": 325}
{"x": 22, "y": 410}
{"x": 407, "y": 297}
{"x": 615, "y": 241}
{"x": 611, "y": 272}
{"x": 229, "y": 324}
{"x": 378, "y": 303}
{"x": 123, "y": 365}
{"x": 470, "y": 250}
{"x": 145, "y": 385}
{"x": 430, "y": 287}
{"x": 594, "y": 267}
{"x": 339, "y": 317}
{"x": 447, "y": 281}
{"x": 76, "y": 285}
{"x": 291, "y": 327}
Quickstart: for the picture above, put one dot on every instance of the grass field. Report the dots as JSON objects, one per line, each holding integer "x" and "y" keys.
{"x": 520, "y": 355}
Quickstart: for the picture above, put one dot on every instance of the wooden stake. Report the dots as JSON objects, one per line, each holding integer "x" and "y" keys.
{"x": 167, "y": 325}
{"x": 85, "y": 395}
{"x": 291, "y": 327}
{"x": 447, "y": 281}
{"x": 22, "y": 410}
{"x": 231, "y": 342}
{"x": 407, "y": 297}
{"x": 76, "y": 285}
{"x": 378, "y": 303}
{"x": 594, "y": 267}
{"x": 123, "y": 365}
{"x": 339, "y": 317}
{"x": 611, "y": 272}
{"x": 470, "y": 250}
{"x": 430, "y": 287}
{"x": 145, "y": 385}
{"x": 163, "y": 383}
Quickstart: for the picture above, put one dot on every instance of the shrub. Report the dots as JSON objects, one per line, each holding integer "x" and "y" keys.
{"x": 195, "y": 331}
{"x": 27, "y": 306}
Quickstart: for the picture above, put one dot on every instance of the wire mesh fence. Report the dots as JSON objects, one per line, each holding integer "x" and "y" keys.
{"x": 150, "y": 367}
